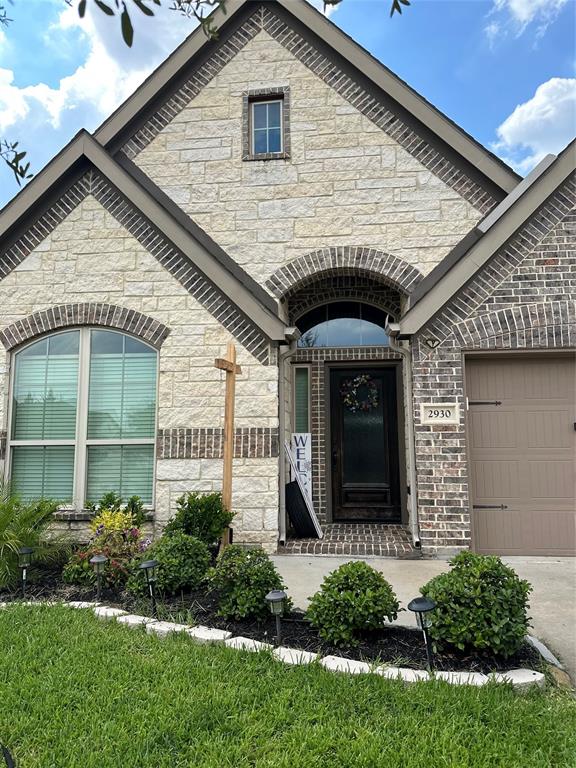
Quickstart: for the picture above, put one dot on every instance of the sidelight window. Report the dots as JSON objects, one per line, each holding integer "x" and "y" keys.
{"x": 301, "y": 398}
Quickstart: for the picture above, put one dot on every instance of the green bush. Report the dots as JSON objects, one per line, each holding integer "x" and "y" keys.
{"x": 243, "y": 578}
{"x": 182, "y": 565}
{"x": 354, "y": 598}
{"x": 26, "y": 525}
{"x": 481, "y": 605}
{"x": 202, "y": 515}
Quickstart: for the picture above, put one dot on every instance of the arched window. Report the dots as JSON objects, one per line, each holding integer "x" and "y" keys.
{"x": 83, "y": 417}
{"x": 343, "y": 324}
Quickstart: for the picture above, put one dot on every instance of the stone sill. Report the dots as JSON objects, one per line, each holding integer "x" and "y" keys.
{"x": 85, "y": 515}
{"x": 267, "y": 156}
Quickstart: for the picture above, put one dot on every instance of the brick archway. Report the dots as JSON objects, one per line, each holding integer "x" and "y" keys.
{"x": 68, "y": 315}
{"x": 347, "y": 260}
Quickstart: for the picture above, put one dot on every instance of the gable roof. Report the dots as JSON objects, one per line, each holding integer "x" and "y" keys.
{"x": 471, "y": 254}
{"x": 491, "y": 172}
{"x": 204, "y": 254}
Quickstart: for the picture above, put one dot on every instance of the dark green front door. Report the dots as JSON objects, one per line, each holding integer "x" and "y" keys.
{"x": 364, "y": 445}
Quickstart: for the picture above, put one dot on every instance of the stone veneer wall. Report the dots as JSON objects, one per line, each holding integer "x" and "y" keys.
{"x": 356, "y": 175}
{"x": 524, "y": 298}
{"x": 89, "y": 258}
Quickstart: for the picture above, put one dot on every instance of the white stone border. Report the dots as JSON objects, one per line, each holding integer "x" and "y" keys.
{"x": 520, "y": 679}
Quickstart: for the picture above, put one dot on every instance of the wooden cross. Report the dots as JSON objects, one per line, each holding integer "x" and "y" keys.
{"x": 228, "y": 364}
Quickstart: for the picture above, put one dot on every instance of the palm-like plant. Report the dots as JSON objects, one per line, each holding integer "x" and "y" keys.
{"x": 25, "y": 525}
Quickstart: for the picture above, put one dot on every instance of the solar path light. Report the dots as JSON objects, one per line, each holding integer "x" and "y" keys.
{"x": 422, "y": 607}
{"x": 98, "y": 563}
{"x": 150, "y": 568}
{"x": 24, "y": 562}
{"x": 276, "y": 602}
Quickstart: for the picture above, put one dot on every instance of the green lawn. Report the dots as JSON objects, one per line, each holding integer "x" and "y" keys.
{"x": 79, "y": 693}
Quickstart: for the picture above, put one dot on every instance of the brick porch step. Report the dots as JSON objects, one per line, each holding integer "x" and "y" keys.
{"x": 355, "y": 539}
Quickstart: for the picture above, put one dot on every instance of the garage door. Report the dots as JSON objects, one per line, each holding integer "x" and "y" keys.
{"x": 522, "y": 448}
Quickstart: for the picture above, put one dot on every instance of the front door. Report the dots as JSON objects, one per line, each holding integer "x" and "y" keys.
{"x": 364, "y": 445}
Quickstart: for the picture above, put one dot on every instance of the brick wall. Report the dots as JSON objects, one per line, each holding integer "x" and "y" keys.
{"x": 524, "y": 298}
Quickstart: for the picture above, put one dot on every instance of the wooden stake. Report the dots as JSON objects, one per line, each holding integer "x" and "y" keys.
{"x": 228, "y": 364}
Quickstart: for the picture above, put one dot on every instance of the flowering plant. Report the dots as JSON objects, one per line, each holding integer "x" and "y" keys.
{"x": 116, "y": 535}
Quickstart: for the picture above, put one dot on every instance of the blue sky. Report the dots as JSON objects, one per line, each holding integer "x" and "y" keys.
{"x": 505, "y": 70}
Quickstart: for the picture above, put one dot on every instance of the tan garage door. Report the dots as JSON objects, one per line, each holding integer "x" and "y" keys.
{"x": 522, "y": 447}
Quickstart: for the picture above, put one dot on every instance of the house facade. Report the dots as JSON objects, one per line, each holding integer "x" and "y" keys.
{"x": 394, "y": 291}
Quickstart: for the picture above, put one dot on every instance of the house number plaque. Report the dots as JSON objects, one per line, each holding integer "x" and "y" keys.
{"x": 440, "y": 413}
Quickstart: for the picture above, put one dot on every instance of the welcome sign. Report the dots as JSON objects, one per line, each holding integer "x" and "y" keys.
{"x": 301, "y": 450}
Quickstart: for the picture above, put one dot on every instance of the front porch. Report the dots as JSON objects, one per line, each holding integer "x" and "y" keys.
{"x": 356, "y": 539}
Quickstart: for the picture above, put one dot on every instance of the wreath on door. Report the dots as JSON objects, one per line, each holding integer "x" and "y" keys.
{"x": 354, "y": 398}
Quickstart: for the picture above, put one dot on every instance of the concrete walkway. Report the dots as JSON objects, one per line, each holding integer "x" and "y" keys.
{"x": 552, "y": 603}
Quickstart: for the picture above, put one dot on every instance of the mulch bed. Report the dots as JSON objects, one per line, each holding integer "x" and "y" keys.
{"x": 399, "y": 646}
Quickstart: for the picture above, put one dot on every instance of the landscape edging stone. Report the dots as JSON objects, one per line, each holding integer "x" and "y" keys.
{"x": 520, "y": 679}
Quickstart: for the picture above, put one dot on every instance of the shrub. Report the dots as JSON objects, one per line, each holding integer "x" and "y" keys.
{"x": 182, "y": 565}
{"x": 26, "y": 525}
{"x": 115, "y": 535}
{"x": 202, "y": 515}
{"x": 481, "y": 605}
{"x": 243, "y": 578}
{"x": 354, "y": 598}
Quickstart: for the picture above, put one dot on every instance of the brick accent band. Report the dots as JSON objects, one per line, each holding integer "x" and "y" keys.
{"x": 67, "y": 315}
{"x": 345, "y": 260}
{"x": 208, "y": 443}
{"x": 374, "y": 109}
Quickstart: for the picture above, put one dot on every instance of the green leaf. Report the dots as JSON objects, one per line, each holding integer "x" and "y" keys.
{"x": 127, "y": 28}
{"x": 82, "y": 8}
{"x": 105, "y": 8}
{"x": 144, "y": 8}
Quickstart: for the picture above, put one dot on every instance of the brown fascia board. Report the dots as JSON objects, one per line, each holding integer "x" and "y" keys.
{"x": 429, "y": 117}
{"x": 60, "y": 168}
{"x": 82, "y": 152}
{"x": 487, "y": 243}
{"x": 169, "y": 75}
{"x": 480, "y": 164}
{"x": 461, "y": 248}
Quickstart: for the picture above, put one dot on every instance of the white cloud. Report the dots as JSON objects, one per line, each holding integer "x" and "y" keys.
{"x": 544, "y": 124}
{"x": 515, "y": 16}
{"x": 110, "y": 72}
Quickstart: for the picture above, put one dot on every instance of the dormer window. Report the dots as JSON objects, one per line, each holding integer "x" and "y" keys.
{"x": 266, "y": 120}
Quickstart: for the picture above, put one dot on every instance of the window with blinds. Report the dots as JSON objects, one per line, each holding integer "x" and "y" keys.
{"x": 84, "y": 417}
{"x": 301, "y": 399}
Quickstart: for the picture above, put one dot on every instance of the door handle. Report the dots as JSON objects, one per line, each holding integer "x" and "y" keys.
{"x": 489, "y": 506}
{"x": 334, "y": 459}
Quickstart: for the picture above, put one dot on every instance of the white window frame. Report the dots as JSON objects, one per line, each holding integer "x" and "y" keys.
{"x": 81, "y": 441}
{"x": 309, "y": 369}
{"x": 253, "y": 103}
